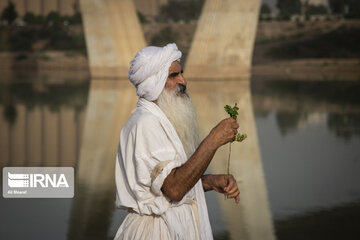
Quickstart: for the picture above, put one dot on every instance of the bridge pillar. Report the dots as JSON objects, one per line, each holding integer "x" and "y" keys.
{"x": 113, "y": 36}
{"x": 223, "y": 43}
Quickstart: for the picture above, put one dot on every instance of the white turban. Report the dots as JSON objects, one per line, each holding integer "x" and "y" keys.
{"x": 150, "y": 68}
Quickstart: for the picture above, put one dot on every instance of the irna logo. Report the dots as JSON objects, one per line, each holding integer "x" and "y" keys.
{"x": 37, "y": 180}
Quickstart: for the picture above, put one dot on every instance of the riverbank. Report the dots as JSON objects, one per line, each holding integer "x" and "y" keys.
{"x": 67, "y": 64}
{"x": 270, "y": 35}
{"x": 55, "y": 66}
{"x": 309, "y": 69}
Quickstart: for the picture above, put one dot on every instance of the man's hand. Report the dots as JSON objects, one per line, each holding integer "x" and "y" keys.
{"x": 222, "y": 183}
{"x": 224, "y": 132}
{"x": 182, "y": 179}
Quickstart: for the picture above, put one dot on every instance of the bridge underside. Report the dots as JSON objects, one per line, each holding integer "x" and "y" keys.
{"x": 223, "y": 43}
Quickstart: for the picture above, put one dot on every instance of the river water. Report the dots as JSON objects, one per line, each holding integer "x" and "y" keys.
{"x": 298, "y": 171}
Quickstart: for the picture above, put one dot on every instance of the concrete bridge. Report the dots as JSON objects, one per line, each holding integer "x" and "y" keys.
{"x": 222, "y": 46}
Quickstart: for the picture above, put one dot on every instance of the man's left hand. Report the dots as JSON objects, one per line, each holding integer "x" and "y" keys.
{"x": 223, "y": 183}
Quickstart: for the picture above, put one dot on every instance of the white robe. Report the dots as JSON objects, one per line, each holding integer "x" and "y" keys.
{"x": 149, "y": 148}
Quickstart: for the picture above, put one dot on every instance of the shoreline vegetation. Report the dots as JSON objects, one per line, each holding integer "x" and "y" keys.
{"x": 309, "y": 50}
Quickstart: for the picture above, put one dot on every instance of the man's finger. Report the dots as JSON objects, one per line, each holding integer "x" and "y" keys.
{"x": 231, "y": 188}
{"x": 231, "y": 182}
{"x": 234, "y": 194}
{"x": 232, "y": 191}
{"x": 229, "y": 185}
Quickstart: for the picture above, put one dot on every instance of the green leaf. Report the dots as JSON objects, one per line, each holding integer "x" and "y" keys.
{"x": 233, "y": 112}
{"x": 240, "y": 137}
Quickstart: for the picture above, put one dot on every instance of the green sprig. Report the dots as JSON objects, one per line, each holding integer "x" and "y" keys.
{"x": 240, "y": 137}
{"x": 233, "y": 112}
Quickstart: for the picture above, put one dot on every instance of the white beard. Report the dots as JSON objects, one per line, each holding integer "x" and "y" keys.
{"x": 181, "y": 113}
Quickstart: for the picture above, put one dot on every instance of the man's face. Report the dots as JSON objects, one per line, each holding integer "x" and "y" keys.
{"x": 175, "y": 78}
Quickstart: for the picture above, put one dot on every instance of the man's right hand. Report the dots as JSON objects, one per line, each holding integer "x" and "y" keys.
{"x": 224, "y": 132}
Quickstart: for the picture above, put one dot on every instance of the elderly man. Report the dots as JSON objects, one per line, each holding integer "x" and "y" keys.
{"x": 160, "y": 163}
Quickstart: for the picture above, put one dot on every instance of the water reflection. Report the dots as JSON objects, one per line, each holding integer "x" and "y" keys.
{"x": 309, "y": 143}
{"x": 310, "y": 170}
{"x": 340, "y": 222}
{"x": 251, "y": 219}
{"x": 41, "y": 124}
{"x": 345, "y": 126}
{"x": 109, "y": 106}
{"x": 306, "y": 96}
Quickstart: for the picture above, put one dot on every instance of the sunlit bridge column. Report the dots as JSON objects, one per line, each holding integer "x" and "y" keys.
{"x": 251, "y": 219}
{"x": 80, "y": 122}
{"x": 109, "y": 106}
{"x": 223, "y": 43}
{"x": 218, "y": 72}
{"x": 113, "y": 36}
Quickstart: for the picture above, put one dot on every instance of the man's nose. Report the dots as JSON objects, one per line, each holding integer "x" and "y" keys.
{"x": 181, "y": 80}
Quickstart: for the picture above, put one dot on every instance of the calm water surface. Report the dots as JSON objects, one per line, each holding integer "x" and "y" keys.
{"x": 308, "y": 136}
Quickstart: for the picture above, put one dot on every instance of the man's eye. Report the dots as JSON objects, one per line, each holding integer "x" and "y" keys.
{"x": 174, "y": 74}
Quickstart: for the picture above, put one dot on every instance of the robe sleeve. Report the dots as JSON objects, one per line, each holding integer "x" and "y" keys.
{"x": 155, "y": 157}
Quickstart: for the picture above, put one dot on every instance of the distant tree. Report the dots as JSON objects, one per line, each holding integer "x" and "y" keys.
{"x": 181, "y": 10}
{"x": 53, "y": 18}
{"x": 348, "y": 8}
{"x": 163, "y": 37}
{"x": 265, "y": 12}
{"x": 265, "y": 9}
{"x": 9, "y": 13}
{"x": 337, "y": 6}
{"x": 288, "y": 8}
{"x": 31, "y": 18}
{"x": 23, "y": 40}
{"x": 314, "y": 10}
{"x": 141, "y": 17}
{"x": 76, "y": 18}
{"x": 76, "y": 7}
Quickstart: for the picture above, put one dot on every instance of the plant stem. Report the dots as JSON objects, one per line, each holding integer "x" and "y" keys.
{"x": 228, "y": 166}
